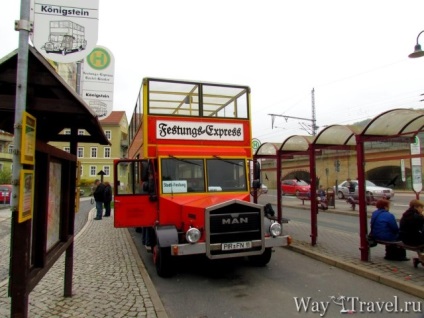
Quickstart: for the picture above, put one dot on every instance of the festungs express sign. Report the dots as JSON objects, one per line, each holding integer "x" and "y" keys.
{"x": 183, "y": 130}
{"x": 65, "y": 31}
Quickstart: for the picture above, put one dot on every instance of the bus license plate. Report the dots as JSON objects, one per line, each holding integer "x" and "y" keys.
{"x": 236, "y": 246}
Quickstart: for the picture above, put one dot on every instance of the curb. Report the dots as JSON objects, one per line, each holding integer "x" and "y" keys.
{"x": 366, "y": 273}
{"x": 157, "y": 302}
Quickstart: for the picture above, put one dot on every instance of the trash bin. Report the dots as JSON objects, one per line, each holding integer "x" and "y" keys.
{"x": 331, "y": 198}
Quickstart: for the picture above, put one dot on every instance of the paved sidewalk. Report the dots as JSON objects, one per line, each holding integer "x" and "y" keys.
{"x": 341, "y": 249}
{"x": 110, "y": 279}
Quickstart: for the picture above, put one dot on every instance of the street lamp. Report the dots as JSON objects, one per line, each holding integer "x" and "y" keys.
{"x": 417, "y": 50}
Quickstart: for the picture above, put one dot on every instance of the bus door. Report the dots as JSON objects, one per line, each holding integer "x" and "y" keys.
{"x": 135, "y": 193}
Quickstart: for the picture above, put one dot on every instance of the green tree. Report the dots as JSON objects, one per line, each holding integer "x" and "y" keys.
{"x": 5, "y": 176}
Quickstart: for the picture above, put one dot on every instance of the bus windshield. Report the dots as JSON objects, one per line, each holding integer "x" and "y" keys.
{"x": 182, "y": 175}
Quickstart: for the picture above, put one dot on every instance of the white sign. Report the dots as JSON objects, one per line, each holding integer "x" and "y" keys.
{"x": 97, "y": 81}
{"x": 174, "y": 186}
{"x": 184, "y": 130}
{"x": 65, "y": 31}
{"x": 417, "y": 183}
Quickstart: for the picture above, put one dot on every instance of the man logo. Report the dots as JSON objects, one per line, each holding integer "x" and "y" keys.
{"x": 235, "y": 221}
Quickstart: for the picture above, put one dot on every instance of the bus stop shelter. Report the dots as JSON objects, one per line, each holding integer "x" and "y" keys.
{"x": 48, "y": 232}
{"x": 401, "y": 125}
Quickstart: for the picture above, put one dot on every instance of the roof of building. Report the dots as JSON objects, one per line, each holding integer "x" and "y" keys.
{"x": 53, "y": 103}
{"x": 114, "y": 118}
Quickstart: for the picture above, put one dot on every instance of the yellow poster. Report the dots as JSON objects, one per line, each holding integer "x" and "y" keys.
{"x": 26, "y": 195}
{"x": 28, "y": 139}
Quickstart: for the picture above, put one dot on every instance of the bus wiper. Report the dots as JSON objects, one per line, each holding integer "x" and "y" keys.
{"x": 228, "y": 161}
{"x": 185, "y": 160}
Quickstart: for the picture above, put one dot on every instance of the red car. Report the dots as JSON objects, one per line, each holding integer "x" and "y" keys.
{"x": 5, "y": 193}
{"x": 294, "y": 186}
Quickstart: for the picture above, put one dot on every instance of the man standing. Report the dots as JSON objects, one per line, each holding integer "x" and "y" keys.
{"x": 99, "y": 197}
{"x": 108, "y": 198}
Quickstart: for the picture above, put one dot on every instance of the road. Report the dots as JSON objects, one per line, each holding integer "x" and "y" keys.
{"x": 234, "y": 288}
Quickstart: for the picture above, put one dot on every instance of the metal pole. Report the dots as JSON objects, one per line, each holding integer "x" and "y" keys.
{"x": 19, "y": 301}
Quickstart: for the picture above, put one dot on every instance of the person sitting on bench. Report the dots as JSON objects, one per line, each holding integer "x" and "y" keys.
{"x": 412, "y": 227}
{"x": 385, "y": 228}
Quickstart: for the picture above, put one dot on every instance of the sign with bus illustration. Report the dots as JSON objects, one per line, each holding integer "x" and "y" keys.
{"x": 65, "y": 33}
{"x": 97, "y": 81}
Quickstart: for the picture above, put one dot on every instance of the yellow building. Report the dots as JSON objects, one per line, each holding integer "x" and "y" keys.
{"x": 94, "y": 157}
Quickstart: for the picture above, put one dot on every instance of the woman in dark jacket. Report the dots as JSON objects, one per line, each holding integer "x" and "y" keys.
{"x": 412, "y": 228}
{"x": 384, "y": 228}
{"x": 411, "y": 224}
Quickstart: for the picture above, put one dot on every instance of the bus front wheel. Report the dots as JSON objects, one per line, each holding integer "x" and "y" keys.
{"x": 163, "y": 261}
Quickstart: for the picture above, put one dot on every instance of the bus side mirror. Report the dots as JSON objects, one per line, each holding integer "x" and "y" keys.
{"x": 257, "y": 171}
{"x": 256, "y": 184}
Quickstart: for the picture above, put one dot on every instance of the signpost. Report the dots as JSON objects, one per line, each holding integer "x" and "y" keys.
{"x": 65, "y": 31}
{"x": 97, "y": 81}
{"x": 417, "y": 184}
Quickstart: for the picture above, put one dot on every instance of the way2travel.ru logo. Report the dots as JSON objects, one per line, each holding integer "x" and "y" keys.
{"x": 350, "y": 305}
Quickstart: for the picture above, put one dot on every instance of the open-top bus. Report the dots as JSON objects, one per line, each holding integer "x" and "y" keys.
{"x": 187, "y": 177}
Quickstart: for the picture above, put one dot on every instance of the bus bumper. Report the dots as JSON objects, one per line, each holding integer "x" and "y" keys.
{"x": 200, "y": 248}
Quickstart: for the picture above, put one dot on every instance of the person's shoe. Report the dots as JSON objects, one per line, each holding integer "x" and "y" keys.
{"x": 97, "y": 218}
{"x": 148, "y": 248}
{"x": 416, "y": 262}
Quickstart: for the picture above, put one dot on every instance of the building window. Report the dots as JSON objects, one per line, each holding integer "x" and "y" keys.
{"x": 80, "y": 152}
{"x": 107, "y": 152}
{"x": 93, "y": 171}
{"x": 1, "y": 148}
{"x": 93, "y": 152}
{"x": 67, "y": 131}
{"x": 108, "y": 134}
{"x": 10, "y": 149}
{"x": 67, "y": 149}
{"x": 81, "y": 132}
{"x": 81, "y": 169}
{"x": 106, "y": 170}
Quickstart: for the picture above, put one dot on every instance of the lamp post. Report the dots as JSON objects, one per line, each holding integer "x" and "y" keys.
{"x": 417, "y": 49}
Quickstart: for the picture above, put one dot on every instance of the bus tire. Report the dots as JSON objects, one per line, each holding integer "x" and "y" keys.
{"x": 262, "y": 259}
{"x": 163, "y": 261}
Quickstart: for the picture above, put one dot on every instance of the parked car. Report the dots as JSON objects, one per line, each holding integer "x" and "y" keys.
{"x": 81, "y": 192}
{"x": 377, "y": 191}
{"x": 5, "y": 193}
{"x": 294, "y": 186}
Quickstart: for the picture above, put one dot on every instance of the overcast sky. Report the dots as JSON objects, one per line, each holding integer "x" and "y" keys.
{"x": 353, "y": 53}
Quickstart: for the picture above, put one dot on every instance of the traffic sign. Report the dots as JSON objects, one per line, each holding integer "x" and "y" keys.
{"x": 255, "y": 144}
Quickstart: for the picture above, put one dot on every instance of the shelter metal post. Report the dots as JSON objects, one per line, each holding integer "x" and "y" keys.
{"x": 360, "y": 161}
{"x": 314, "y": 206}
{"x": 279, "y": 196}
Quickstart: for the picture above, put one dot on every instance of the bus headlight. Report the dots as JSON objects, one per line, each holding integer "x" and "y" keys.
{"x": 275, "y": 229}
{"x": 192, "y": 235}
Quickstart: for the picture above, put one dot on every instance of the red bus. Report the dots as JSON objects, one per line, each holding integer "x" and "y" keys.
{"x": 186, "y": 179}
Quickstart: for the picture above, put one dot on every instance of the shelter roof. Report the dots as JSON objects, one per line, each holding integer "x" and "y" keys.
{"x": 337, "y": 135}
{"x": 393, "y": 123}
{"x": 50, "y": 100}
{"x": 396, "y": 122}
